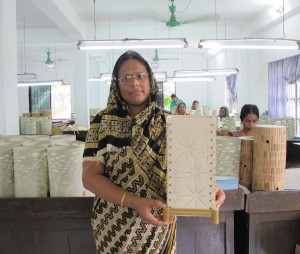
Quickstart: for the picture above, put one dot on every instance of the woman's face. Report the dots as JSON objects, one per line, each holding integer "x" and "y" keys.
{"x": 249, "y": 122}
{"x": 195, "y": 105}
{"x": 222, "y": 112}
{"x": 181, "y": 109}
{"x": 134, "y": 82}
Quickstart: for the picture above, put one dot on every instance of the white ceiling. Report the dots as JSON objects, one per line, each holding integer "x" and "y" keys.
{"x": 58, "y": 24}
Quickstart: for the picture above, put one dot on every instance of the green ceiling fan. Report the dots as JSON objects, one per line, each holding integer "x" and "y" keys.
{"x": 173, "y": 22}
{"x": 156, "y": 58}
{"x": 48, "y": 60}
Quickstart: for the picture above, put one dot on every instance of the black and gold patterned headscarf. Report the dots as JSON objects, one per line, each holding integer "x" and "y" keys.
{"x": 115, "y": 101}
{"x": 113, "y": 127}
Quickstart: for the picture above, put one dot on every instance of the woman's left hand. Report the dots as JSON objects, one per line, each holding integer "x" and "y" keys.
{"x": 220, "y": 196}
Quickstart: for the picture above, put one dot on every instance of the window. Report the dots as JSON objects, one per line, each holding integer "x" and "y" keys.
{"x": 55, "y": 97}
{"x": 293, "y": 104}
{"x": 231, "y": 93}
{"x": 39, "y": 98}
{"x": 231, "y": 103}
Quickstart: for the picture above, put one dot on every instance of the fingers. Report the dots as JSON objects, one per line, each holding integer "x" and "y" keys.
{"x": 220, "y": 196}
{"x": 153, "y": 213}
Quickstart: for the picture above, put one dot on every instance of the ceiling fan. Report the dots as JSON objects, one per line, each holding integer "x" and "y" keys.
{"x": 156, "y": 58}
{"x": 173, "y": 22}
{"x": 48, "y": 60}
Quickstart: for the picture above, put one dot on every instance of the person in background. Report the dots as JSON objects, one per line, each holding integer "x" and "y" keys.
{"x": 181, "y": 109}
{"x": 175, "y": 102}
{"x": 249, "y": 117}
{"x": 195, "y": 105}
{"x": 125, "y": 164}
{"x": 223, "y": 112}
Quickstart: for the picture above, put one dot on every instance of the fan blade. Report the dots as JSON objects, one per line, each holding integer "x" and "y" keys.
{"x": 206, "y": 18}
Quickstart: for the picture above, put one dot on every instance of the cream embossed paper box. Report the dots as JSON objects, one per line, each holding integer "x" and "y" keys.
{"x": 191, "y": 166}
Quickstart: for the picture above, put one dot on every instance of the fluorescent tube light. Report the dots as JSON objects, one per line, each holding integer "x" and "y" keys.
{"x": 26, "y": 76}
{"x": 250, "y": 43}
{"x": 102, "y": 77}
{"x": 208, "y": 72}
{"x": 160, "y": 76}
{"x": 190, "y": 79}
{"x": 131, "y": 44}
{"x": 41, "y": 83}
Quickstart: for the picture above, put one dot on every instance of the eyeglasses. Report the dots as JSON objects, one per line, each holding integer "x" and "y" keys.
{"x": 140, "y": 76}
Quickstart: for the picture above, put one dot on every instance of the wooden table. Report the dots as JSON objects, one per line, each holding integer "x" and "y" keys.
{"x": 269, "y": 224}
{"x": 46, "y": 226}
{"x": 197, "y": 234}
{"x": 62, "y": 226}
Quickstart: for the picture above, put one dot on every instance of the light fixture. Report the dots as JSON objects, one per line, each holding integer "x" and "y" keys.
{"x": 131, "y": 44}
{"x": 26, "y": 76}
{"x": 102, "y": 77}
{"x": 206, "y": 72}
{"x": 191, "y": 79}
{"x": 249, "y": 43}
{"x": 40, "y": 83}
{"x": 160, "y": 76}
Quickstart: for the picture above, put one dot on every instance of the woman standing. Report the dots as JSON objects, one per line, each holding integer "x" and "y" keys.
{"x": 125, "y": 164}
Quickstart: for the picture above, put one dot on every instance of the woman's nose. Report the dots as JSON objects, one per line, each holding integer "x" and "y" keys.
{"x": 135, "y": 81}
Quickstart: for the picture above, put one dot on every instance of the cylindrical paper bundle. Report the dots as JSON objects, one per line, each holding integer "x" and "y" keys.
{"x": 23, "y": 121}
{"x": 228, "y": 151}
{"x": 36, "y": 114}
{"x": 61, "y": 142}
{"x": 65, "y": 171}
{"x": 246, "y": 163}
{"x": 228, "y": 123}
{"x": 15, "y": 138}
{"x": 290, "y": 128}
{"x": 30, "y": 126}
{"x": 39, "y": 123}
{"x": 31, "y": 171}
{"x": 63, "y": 139}
{"x": 7, "y": 186}
{"x": 27, "y": 114}
{"x": 46, "y": 127}
{"x": 269, "y": 157}
{"x": 47, "y": 113}
{"x": 34, "y": 142}
{"x": 42, "y": 137}
{"x": 214, "y": 112}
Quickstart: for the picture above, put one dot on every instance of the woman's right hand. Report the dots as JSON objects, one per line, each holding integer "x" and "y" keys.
{"x": 146, "y": 209}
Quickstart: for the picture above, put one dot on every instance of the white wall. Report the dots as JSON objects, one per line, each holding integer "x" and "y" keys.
{"x": 252, "y": 65}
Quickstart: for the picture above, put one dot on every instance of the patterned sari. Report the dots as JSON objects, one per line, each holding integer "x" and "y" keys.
{"x": 134, "y": 154}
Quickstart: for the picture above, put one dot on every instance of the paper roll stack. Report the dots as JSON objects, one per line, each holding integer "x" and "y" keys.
{"x": 269, "y": 158}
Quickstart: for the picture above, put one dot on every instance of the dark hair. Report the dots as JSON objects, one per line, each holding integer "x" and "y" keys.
{"x": 249, "y": 109}
{"x": 226, "y": 110}
{"x": 130, "y": 54}
{"x": 173, "y": 95}
{"x": 181, "y": 103}
{"x": 195, "y": 102}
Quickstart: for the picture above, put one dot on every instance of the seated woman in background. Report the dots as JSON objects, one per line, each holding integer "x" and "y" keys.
{"x": 181, "y": 109}
{"x": 223, "y": 112}
{"x": 195, "y": 105}
{"x": 249, "y": 117}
